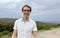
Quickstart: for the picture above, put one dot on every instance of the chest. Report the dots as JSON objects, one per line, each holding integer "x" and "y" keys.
{"x": 25, "y": 27}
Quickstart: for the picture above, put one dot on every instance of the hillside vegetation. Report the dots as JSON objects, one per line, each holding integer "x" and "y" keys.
{"x": 6, "y": 26}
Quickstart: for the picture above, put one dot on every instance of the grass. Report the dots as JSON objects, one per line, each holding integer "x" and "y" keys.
{"x": 46, "y": 30}
{"x": 5, "y": 34}
{"x": 9, "y": 34}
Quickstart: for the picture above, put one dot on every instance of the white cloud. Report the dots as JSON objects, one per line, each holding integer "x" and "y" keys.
{"x": 4, "y": 1}
{"x": 44, "y": 10}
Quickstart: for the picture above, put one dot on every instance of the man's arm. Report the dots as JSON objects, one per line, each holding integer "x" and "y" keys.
{"x": 14, "y": 34}
{"x": 35, "y": 34}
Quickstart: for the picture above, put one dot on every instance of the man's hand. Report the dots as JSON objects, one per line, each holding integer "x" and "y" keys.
{"x": 14, "y": 34}
{"x": 35, "y": 34}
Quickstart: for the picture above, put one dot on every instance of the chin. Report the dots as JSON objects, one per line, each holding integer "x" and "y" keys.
{"x": 26, "y": 16}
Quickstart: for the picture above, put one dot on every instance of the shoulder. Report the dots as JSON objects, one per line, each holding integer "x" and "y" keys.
{"x": 32, "y": 21}
{"x": 18, "y": 20}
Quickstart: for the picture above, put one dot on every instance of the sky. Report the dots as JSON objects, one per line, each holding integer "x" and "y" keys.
{"x": 42, "y": 10}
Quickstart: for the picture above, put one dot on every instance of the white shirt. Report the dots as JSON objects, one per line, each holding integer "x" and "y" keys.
{"x": 24, "y": 30}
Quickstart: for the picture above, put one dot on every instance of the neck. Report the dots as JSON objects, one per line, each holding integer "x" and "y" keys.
{"x": 25, "y": 19}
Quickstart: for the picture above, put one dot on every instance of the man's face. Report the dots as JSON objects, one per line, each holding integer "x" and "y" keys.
{"x": 26, "y": 11}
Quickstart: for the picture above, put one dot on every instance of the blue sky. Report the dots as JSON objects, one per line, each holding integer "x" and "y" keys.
{"x": 42, "y": 10}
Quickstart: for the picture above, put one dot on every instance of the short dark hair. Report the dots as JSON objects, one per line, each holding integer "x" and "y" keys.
{"x": 27, "y": 6}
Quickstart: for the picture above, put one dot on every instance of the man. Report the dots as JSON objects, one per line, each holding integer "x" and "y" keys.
{"x": 25, "y": 27}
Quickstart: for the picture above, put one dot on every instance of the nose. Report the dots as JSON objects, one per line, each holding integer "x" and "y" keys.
{"x": 26, "y": 11}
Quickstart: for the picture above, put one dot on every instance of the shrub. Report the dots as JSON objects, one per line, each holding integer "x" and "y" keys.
{"x": 8, "y": 26}
{"x": 5, "y": 32}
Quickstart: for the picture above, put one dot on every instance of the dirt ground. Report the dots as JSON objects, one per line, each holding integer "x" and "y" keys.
{"x": 50, "y": 34}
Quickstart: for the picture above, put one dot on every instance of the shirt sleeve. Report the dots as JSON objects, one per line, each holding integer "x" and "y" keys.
{"x": 34, "y": 27}
{"x": 15, "y": 25}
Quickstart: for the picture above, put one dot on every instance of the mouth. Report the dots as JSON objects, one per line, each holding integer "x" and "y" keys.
{"x": 26, "y": 14}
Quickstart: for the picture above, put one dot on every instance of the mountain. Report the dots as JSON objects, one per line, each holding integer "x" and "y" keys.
{"x": 7, "y": 20}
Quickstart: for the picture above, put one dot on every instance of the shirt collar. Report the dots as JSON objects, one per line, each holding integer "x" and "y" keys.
{"x": 27, "y": 21}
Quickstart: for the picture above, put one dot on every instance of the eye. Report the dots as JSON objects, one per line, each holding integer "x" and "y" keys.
{"x": 27, "y": 10}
